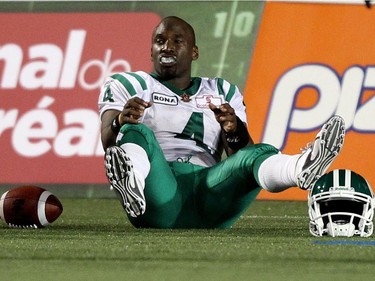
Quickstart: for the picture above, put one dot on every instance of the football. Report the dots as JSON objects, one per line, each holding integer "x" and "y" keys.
{"x": 29, "y": 207}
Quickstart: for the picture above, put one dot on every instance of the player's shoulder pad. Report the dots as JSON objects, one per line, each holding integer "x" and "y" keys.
{"x": 133, "y": 82}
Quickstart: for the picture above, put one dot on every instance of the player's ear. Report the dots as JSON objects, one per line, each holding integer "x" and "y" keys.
{"x": 195, "y": 53}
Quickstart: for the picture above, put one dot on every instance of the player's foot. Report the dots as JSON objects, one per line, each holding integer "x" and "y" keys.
{"x": 120, "y": 174}
{"x": 319, "y": 155}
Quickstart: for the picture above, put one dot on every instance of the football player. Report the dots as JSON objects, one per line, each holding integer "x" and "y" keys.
{"x": 164, "y": 133}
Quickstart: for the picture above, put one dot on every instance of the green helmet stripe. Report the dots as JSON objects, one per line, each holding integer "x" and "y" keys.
{"x": 342, "y": 178}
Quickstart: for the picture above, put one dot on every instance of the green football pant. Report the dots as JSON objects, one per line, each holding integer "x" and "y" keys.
{"x": 183, "y": 195}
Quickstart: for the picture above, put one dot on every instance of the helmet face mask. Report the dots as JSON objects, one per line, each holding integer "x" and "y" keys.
{"x": 341, "y": 203}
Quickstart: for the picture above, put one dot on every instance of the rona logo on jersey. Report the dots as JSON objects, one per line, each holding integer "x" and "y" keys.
{"x": 164, "y": 99}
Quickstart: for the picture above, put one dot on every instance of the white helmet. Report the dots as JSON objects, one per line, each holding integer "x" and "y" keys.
{"x": 341, "y": 203}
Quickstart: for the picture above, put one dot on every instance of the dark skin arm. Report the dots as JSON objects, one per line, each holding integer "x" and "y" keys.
{"x": 131, "y": 113}
{"x": 227, "y": 119}
{"x": 134, "y": 109}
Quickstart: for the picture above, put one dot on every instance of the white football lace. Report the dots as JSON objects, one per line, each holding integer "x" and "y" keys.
{"x": 307, "y": 147}
{"x": 23, "y": 226}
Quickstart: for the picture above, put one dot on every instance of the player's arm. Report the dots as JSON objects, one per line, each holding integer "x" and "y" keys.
{"x": 112, "y": 120}
{"x": 230, "y": 141}
{"x": 234, "y": 132}
{"x": 108, "y": 136}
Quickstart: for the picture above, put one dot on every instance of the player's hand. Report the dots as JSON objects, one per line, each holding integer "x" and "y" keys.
{"x": 226, "y": 116}
{"x": 133, "y": 111}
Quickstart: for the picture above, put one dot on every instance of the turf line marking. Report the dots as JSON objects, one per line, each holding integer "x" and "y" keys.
{"x": 277, "y": 217}
{"x": 227, "y": 38}
{"x": 345, "y": 242}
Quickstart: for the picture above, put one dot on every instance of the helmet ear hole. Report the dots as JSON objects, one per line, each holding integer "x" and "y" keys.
{"x": 341, "y": 203}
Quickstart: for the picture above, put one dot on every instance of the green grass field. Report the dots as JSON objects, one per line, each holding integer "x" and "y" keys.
{"x": 92, "y": 240}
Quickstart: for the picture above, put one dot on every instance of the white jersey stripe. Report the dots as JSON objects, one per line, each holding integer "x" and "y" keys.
{"x": 336, "y": 178}
{"x": 348, "y": 178}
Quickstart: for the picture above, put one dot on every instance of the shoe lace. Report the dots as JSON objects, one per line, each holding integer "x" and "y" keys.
{"x": 307, "y": 147}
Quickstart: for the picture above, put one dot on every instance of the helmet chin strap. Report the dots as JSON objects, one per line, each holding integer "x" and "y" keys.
{"x": 338, "y": 229}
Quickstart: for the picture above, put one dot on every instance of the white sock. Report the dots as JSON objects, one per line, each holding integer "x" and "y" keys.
{"x": 278, "y": 172}
{"x": 141, "y": 164}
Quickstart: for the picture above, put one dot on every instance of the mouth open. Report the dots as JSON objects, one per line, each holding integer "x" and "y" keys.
{"x": 167, "y": 60}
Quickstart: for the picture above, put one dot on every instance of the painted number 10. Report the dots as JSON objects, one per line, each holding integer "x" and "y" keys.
{"x": 241, "y": 27}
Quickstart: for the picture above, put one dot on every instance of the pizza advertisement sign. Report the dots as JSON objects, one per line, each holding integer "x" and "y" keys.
{"x": 305, "y": 69}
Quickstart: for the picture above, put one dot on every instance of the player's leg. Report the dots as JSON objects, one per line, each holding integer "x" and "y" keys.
{"x": 227, "y": 189}
{"x": 142, "y": 178}
{"x": 280, "y": 172}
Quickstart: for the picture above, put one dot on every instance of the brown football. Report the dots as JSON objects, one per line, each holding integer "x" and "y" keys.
{"x": 29, "y": 207}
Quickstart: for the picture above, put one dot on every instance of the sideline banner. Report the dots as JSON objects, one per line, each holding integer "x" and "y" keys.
{"x": 312, "y": 61}
{"x": 49, "y": 86}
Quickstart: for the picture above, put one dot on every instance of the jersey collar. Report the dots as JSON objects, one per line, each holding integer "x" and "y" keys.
{"x": 191, "y": 90}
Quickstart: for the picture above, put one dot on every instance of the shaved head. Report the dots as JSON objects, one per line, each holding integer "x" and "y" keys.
{"x": 173, "y": 20}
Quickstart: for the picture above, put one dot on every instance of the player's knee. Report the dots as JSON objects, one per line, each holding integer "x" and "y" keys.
{"x": 252, "y": 153}
{"x": 138, "y": 134}
{"x": 136, "y": 129}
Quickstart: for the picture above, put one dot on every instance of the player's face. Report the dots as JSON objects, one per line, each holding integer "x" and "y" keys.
{"x": 173, "y": 50}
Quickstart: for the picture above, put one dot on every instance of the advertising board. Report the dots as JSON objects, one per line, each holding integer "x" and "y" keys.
{"x": 312, "y": 61}
{"x": 297, "y": 63}
{"x": 49, "y": 83}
